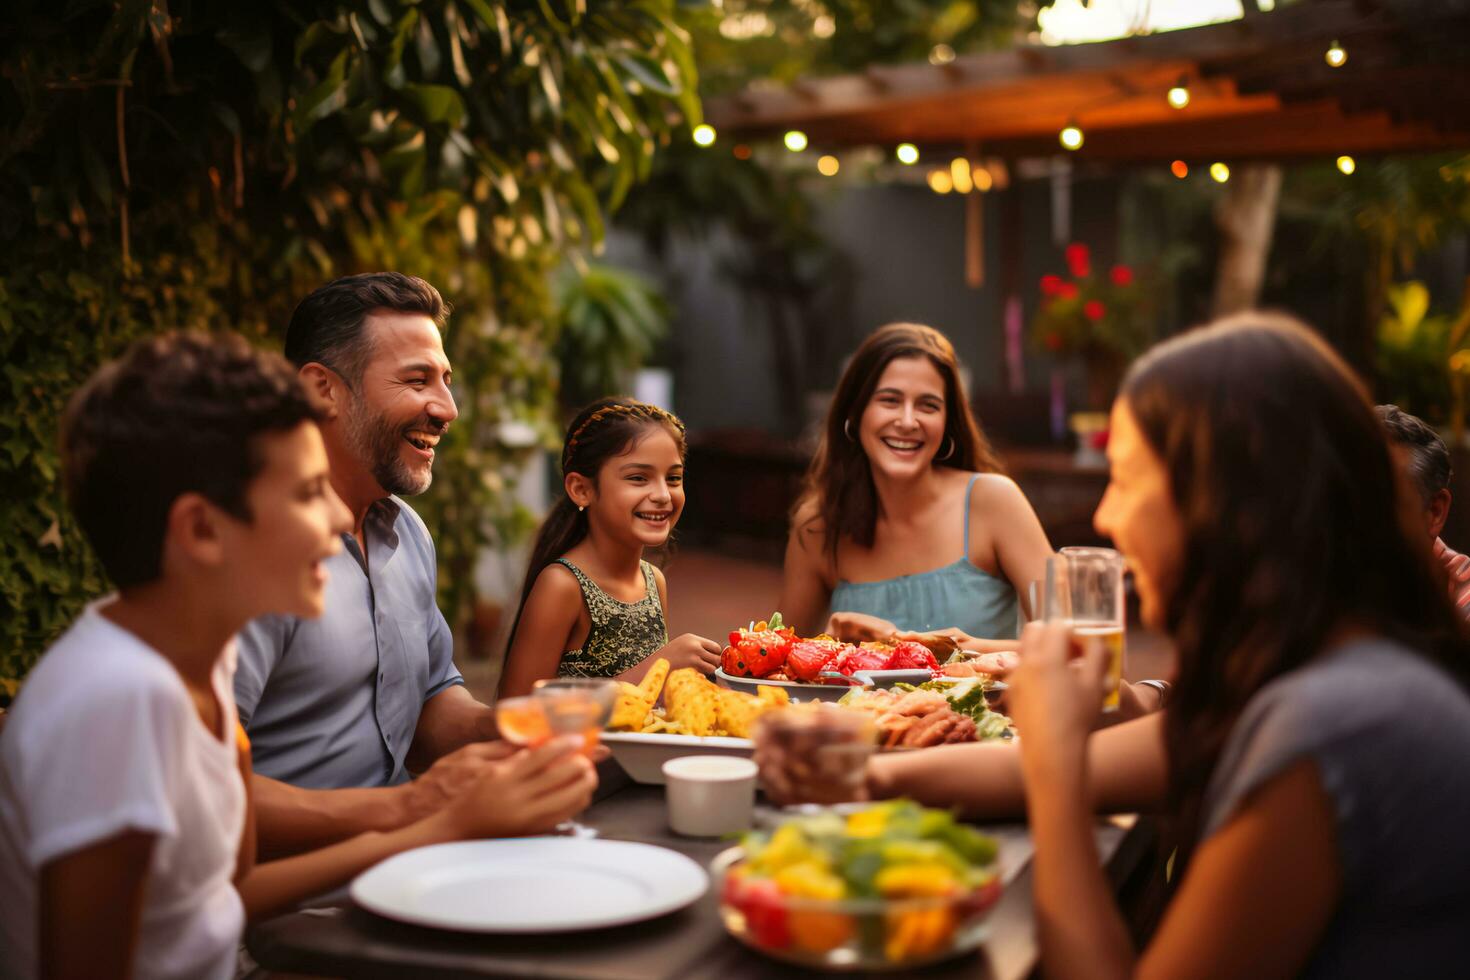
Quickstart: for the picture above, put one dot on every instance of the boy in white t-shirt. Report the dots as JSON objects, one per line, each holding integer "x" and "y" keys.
{"x": 196, "y": 470}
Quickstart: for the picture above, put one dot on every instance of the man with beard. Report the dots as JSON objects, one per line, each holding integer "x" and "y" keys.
{"x": 340, "y": 709}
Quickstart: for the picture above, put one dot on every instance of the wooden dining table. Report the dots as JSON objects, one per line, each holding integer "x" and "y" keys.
{"x": 334, "y": 937}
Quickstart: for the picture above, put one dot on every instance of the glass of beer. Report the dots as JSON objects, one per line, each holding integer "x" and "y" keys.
{"x": 1084, "y": 588}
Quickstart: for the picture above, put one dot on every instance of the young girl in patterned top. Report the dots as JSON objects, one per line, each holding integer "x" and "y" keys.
{"x": 591, "y": 606}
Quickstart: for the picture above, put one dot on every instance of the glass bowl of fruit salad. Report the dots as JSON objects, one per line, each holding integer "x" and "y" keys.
{"x": 884, "y": 886}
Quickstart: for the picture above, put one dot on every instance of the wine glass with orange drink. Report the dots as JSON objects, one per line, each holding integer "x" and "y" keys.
{"x": 559, "y": 706}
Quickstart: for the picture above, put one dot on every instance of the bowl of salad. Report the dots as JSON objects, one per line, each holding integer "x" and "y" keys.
{"x": 884, "y": 886}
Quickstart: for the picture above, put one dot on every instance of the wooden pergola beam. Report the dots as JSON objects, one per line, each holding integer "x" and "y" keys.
{"x": 1260, "y": 88}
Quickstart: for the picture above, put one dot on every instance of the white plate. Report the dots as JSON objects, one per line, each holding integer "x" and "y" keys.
{"x": 795, "y": 689}
{"x": 530, "y": 884}
{"x": 643, "y": 755}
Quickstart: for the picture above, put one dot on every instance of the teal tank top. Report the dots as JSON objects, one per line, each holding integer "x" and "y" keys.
{"x": 959, "y": 594}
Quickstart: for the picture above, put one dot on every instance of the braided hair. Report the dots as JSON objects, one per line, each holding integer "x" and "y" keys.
{"x": 603, "y": 430}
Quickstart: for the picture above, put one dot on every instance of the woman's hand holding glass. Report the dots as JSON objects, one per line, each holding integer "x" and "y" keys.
{"x": 1055, "y": 698}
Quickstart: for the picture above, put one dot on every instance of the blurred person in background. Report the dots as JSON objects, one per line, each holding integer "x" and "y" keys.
{"x": 1426, "y": 462}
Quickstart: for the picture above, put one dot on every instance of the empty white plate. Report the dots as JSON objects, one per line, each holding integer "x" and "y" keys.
{"x": 530, "y": 884}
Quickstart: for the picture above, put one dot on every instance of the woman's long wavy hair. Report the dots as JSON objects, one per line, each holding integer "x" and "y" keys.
{"x": 840, "y": 479}
{"x": 603, "y": 430}
{"x": 1295, "y": 523}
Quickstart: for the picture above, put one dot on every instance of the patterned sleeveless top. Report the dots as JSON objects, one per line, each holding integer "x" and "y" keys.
{"x": 622, "y": 635}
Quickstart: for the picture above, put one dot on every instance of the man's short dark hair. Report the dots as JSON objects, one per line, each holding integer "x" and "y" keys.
{"x": 1429, "y": 460}
{"x": 327, "y": 326}
{"x": 176, "y": 414}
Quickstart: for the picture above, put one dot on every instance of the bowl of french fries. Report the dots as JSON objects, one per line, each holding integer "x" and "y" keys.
{"x": 676, "y": 713}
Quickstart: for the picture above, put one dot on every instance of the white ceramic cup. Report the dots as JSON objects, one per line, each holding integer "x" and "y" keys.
{"x": 710, "y": 795}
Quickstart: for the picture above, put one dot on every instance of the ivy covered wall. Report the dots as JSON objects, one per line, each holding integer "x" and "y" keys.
{"x": 181, "y": 164}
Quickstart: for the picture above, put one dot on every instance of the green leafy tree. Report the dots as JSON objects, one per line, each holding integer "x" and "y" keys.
{"x": 204, "y": 165}
{"x": 611, "y": 323}
{"x": 781, "y": 41}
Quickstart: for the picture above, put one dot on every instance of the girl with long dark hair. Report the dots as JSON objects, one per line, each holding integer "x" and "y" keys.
{"x": 906, "y": 523}
{"x": 1317, "y": 747}
{"x": 591, "y": 606}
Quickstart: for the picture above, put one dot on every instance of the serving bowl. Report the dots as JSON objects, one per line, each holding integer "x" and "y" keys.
{"x": 642, "y": 755}
{"x": 848, "y": 934}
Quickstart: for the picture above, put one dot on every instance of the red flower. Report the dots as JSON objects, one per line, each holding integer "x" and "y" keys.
{"x": 1079, "y": 260}
{"x": 1051, "y": 285}
{"x": 1093, "y": 309}
{"x": 1067, "y": 290}
{"x": 1053, "y": 341}
{"x": 1121, "y": 275}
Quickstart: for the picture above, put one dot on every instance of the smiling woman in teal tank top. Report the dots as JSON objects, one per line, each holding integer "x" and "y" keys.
{"x": 906, "y": 523}
{"x": 959, "y": 594}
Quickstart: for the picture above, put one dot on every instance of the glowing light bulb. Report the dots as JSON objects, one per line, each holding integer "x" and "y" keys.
{"x": 1346, "y": 164}
{"x": 1219, "y": 173}
{"x": 704, "y": 135}
{"x": 828, "y": 166}
{"x": 795, "y": 141}
{"x": 959, "y": 172}
{"x": 983, "y": 178}
{"x": 1071, "y": 136}
{"x": 940, "y": 182}
{"x": 1336, "y": 55}
{"x": 1179, "y": 169}
{"x": 907, "y": 153}
{"x": 941, "y": 54}
{"x": 1179, "y": 96}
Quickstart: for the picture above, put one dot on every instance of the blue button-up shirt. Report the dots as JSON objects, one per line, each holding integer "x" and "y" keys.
{"x": 333, "y": 702}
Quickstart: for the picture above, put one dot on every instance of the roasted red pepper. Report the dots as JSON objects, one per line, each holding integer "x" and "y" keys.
{"x": 854, "y": 659}
{"x": 910, "y": 655}
{"x": 808, "y": 658}
{"x": 758, "y": 651}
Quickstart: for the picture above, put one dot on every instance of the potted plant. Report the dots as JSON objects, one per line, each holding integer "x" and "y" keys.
{"x": 1424, "y": 357}
{"x": 1102, "y": 321}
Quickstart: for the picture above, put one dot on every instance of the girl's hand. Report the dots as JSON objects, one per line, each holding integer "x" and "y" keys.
{"x": 691, "y": 651}
{"x": 855, "y": 627}
{"x": 1054, "y": 699}
{"x": 528, "y": 793}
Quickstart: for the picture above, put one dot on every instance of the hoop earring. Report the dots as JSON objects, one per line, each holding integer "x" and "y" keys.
{"x": 951, "y": 450}
{"x": 847, "y": 430}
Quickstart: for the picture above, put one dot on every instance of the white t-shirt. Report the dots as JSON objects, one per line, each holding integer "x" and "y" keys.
{"x": 104, "y": 738}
